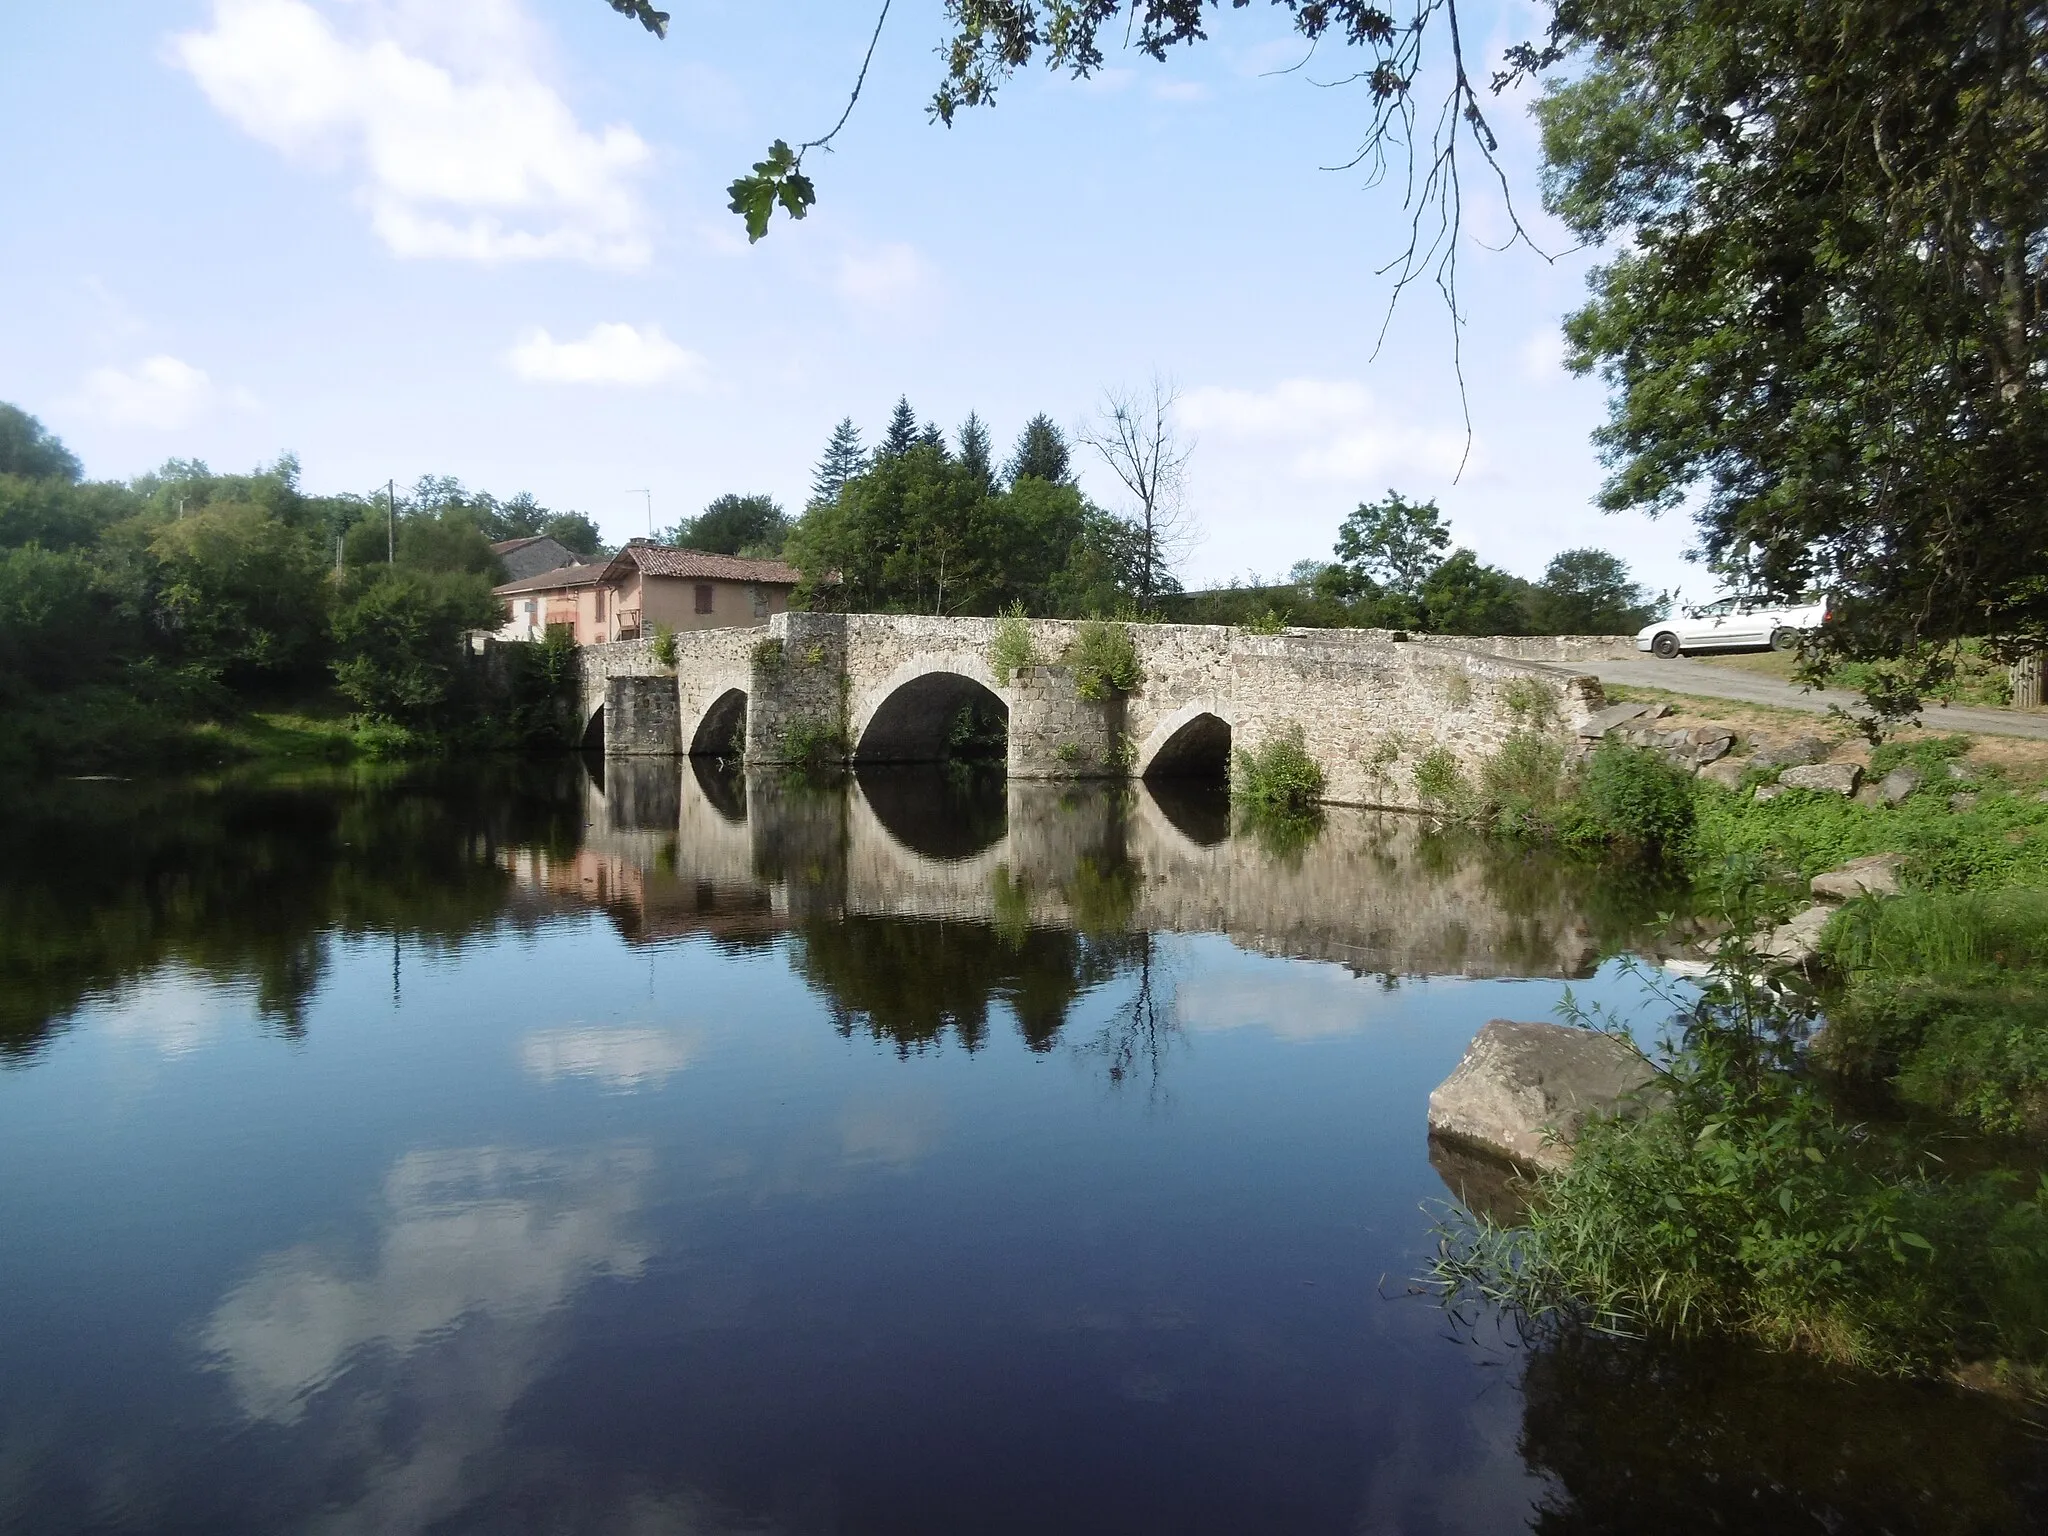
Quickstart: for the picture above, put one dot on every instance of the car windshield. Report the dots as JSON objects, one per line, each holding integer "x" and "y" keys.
{"x": 1715, "y": 610}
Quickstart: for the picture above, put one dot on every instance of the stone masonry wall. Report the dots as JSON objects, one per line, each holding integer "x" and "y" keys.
{"x": 1371, "y": 708}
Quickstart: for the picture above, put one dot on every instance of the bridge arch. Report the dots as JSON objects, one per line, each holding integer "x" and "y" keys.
{"x": 592, "y": 739}
{"x": 906, "y": 718}
{"x": 722, "y": 732}
{"x": 1191, "y": 743}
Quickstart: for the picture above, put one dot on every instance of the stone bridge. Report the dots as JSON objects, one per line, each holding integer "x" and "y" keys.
{"x": 1372, "y": 706}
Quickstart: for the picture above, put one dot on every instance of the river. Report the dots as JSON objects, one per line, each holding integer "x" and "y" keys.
{"x": 641, "y": 1149}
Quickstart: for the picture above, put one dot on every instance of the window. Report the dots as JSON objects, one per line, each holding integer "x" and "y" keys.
{"x": 600, "y": 605}
{"x": 760, "y": 602}
{"x": 704, "y": 595}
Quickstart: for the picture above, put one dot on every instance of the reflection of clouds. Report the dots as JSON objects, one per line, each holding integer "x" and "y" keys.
{"x": 897, "y": 1134}
{"x": 469, "y": 1234}
{"x": 175, "y": 1011}
{"x": 1293, "y": 1002}
{"x": 626, "y": 1057}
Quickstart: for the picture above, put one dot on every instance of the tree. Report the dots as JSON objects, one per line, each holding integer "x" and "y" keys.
{"x": 240, "y": 592}
{"x": 574, "y": 532}
{"x": 976, "y": 453}
{"x": 1393, "y": 543}
{"x": 1134, "y": 436}
{"x": 1041, "y": 453}
{"x": 1463, "y": 597}
{"x": 28, "y": 450}
{"x": 1589, "y": 592}
{"x": 400, "y": 633}
{"x": 901, "y": 431}
{"x": 1822, "y": 324}
{"x": 733, "y": 525}
{"x": 840, "y": 462}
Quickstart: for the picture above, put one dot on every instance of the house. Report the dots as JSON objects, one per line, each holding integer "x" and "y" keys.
{"x": 531, "y": 556}
{"x": 645, "y": 585}
{"x": 572, "y": 596}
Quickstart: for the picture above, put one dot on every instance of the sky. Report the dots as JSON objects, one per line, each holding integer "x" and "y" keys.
{"x": 488, "y": 239}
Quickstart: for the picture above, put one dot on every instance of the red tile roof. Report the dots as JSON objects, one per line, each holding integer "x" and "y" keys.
{"x": 563, "y": 576}
{"x": 660, "y": 560}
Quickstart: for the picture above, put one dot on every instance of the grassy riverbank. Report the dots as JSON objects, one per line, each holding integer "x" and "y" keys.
{"x": 1843, "y": 1159}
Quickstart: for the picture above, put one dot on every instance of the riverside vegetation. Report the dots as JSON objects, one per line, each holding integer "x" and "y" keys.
{"x": 1846, "y": 1164}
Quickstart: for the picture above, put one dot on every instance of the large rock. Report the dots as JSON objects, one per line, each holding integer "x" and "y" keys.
{"x": 1897, "y": 785}
{"x": 1524, "y": 1090}
{"x": 1727, "y": 772}
{"x": 1875, "y": 874}
{"x": 1829, "y": 778}
{"x": 1795, "y": 944}
{"x": 1791, "y": 754}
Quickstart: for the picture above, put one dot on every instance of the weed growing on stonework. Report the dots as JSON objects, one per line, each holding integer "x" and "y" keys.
{"x": 1104, "y": 659}
{"x": 1011, "y": 647}
{"x": 1279, "y": 776}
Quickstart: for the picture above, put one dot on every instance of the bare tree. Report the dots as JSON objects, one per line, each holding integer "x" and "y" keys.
{"x": 1135, "y": 436}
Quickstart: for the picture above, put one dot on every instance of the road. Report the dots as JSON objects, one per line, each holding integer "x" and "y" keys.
{"x": 1704, "y": 679}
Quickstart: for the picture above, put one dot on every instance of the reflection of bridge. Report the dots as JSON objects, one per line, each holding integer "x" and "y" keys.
{"x": 683, "y": 848}
{"x": 887, "y": 688}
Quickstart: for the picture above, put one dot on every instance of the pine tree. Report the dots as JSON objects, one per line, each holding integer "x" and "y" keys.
{"x": 902, "y": 431}
{"x": 1041, "y": 453}
{"x": 929, "y": 436}
{"x": 975, "y": 452}
{"x": 840, "y": 462}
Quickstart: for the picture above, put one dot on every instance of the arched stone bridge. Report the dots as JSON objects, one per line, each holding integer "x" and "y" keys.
{"x": 1372, "y": 707}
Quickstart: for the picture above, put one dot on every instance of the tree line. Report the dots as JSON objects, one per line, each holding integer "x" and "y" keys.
{"x": 133, "y": 615}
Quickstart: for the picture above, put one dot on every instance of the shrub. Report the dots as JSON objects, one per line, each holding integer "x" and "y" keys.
{"x": 1105, "y": 659}
{"x": 813, "y": 742}
{"x": 1280, "y": 776}
{"x": 1530, "y": 702}
{"x": 401, "y": 637}
{"x": 381, "y": 740}
{"x": 768, "y": 657}
{"x": 664, "y": 648}
{"x": 1011, "y": 646}
{"x": 1440, "y": 782}
{"x": 1636, "y": 798}
{"x": 1267, "y": 623}
{"x": 1524, "y": 782}
{"x": 1068, "y": 752}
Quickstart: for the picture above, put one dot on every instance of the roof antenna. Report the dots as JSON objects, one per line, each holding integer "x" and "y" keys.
{"x": 644, "y": 491}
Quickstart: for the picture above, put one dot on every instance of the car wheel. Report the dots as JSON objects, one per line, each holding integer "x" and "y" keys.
{"x": 1665, "y": 645}
{"x": 1784, "y": 639}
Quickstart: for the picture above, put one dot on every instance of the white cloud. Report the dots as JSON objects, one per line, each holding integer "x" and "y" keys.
{"x": 461, "y": 149}
{"x": 607, "y": 354}
{"x": 883, "y": 277}
{"x": 162, "y": 392}
{"x": 1180, "y": 91}
{"x": 1322, "y": 431}
{"x": 627, "y": 1058}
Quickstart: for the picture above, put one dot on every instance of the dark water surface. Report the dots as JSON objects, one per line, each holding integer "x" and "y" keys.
{"x": 510, "y": 1152}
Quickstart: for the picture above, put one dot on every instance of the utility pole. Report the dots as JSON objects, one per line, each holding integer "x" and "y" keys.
{"x": 644, "y": 491}
{"x": 391, "y": 525}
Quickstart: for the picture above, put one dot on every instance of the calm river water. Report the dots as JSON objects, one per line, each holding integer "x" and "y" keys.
{"x": 689, "y": 1154}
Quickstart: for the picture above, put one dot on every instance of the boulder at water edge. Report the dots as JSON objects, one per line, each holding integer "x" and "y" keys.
{"x": 1875, "y": 874}
{"x": 1523, "y": 1090}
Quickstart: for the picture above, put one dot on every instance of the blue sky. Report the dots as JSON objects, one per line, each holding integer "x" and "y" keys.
{"x": 487, "y": 238}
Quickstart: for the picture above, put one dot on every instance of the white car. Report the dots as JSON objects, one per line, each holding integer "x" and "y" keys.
{"x": 1732, "y": 624}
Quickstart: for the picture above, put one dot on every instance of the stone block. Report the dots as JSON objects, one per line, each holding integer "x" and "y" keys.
{"x": 1827, "y": 778}
{"x": 1769, "y": 791}
{"x": 1960, "y": 771}
{"x": 1523, "y": 1091}
{"x": 1726, "y": 772}
{"x": 1607, "y": 719}
{"x": 1897, "y": 785}
{"x": 1711, "y": 746}
{"x": 1875, "y": 874}
{"x": 1965, "y": 801}
{"x": 1793, "y": 754}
